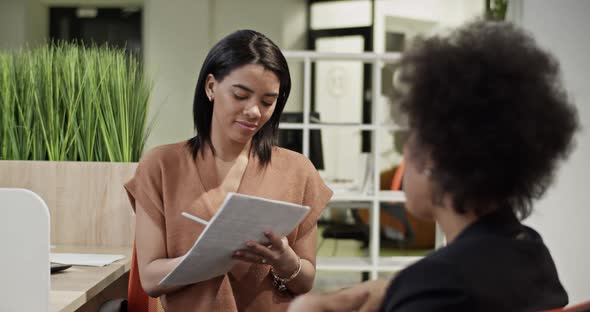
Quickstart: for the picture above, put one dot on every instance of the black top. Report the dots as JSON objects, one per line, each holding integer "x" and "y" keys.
{"x": 495, "y": 264}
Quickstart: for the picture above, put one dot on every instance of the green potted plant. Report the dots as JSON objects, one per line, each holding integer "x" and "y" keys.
{"x": 495, "y": 10}
{"x": 73, "y": 124}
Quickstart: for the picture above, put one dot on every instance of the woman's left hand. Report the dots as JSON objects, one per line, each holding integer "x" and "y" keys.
{"x": 278, "y": 254}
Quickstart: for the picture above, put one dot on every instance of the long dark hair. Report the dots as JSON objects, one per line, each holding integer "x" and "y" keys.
{"x": 235, "y": 50}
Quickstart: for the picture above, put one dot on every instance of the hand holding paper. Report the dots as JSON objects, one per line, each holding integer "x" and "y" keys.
{"x": 279, "y": 254}
{"x": 240, "y": 218}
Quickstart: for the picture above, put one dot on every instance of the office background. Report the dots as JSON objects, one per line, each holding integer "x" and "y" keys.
{"x": 177, "y": 34}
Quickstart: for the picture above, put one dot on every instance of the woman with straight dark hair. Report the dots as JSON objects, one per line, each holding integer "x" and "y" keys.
{"x": 242, "y": 89}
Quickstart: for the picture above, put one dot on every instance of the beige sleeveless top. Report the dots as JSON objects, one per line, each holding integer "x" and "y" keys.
{"x": 169, "y": 181}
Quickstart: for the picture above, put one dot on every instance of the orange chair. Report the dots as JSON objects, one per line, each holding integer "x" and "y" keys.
{"x": 424, "y": 231}
{"x": 396, "y": 182}
{"x": 421, "y": 232}
{"x": 137, "y": 299}
{"x": 580, "y": 307}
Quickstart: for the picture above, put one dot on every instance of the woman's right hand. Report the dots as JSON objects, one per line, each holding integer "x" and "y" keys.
{"x": 278, "y": 254}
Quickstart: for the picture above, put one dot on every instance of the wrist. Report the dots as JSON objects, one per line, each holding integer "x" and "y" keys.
{"x": 280, "y": 282}
{"x": 287, "y": 268}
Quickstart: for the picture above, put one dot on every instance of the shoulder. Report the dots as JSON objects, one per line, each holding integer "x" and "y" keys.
{"x": 438, "y": 270}
{"x": 164, "y": 155}
{"x": 428, "y": 285}
{"x": 294, "y": 166}
{"x": 146, "y": 185}
{"x": 285, "y": 159}
{"x": 295, "y": 169}
{"x": 163, "y": 161}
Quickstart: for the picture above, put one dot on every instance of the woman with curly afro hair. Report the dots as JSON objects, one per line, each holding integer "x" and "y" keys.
{"x": 489, "y": 123}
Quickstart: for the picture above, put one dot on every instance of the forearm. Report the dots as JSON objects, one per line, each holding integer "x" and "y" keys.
{"x": 303, "y": 282}
{"x": 154, "y": 272}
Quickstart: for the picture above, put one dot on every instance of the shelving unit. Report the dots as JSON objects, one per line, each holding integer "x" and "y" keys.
{"x": 301, "y": 126}
{"x": 372, "y": 197}
{"x": 364, "y": 264}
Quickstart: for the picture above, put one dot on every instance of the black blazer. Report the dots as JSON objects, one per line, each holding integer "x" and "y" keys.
{"x": 496, "y": 264}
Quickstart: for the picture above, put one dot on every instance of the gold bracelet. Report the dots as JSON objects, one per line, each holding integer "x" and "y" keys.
{"x": 280, "y": 282}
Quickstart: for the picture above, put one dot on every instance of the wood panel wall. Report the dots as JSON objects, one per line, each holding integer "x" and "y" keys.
{"x": 86, "y": 200}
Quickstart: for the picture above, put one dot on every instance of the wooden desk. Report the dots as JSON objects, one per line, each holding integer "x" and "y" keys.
{"x": 77, "y": 286}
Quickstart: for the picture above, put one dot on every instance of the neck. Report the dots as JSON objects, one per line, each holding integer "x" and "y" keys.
{"x": 451, "y": 222}
{"x": 227, "y": 150}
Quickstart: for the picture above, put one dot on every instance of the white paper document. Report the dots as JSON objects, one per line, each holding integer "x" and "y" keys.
{"x": 98, "y": 260}
{"x": 239, "y": 219}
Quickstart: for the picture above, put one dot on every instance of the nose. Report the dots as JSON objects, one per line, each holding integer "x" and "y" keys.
{"x": 252, "y": 111}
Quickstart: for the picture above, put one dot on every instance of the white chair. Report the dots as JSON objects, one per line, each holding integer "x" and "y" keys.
{"x": 24, "y": 260}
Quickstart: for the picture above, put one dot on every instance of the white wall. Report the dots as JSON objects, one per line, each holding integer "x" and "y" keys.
{"x": 37, "y": 22}
{"x": 12, "y": 30}
{"x": 261, "y": 15}
{"x": 22, "y": 23}
{"x": 294, "y": 37}
{"x": 176, "y": 39}
{"x": 563, "y": 216}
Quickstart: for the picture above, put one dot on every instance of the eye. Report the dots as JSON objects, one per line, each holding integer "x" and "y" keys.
{"x": 240, "y": 97}
{"x": 268, "y": 100}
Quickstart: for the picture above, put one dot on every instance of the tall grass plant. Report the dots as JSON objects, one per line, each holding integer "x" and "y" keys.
{"x": 67, "y": 102}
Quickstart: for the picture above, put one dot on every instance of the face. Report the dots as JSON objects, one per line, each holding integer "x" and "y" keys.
{"x": 243, "y": 101}
{"x": 417, "y": 184}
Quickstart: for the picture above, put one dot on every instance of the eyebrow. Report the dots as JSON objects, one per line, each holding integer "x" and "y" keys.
{"x": 241, "y": 86}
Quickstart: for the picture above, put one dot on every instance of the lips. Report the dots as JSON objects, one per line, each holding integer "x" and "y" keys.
{"x": 247, "y": 125}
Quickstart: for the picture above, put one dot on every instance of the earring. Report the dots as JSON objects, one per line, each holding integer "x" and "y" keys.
{"x": 427, "y": 172}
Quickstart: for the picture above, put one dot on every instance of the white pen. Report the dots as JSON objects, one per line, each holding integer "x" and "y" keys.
{"x": 196, "y": 219}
